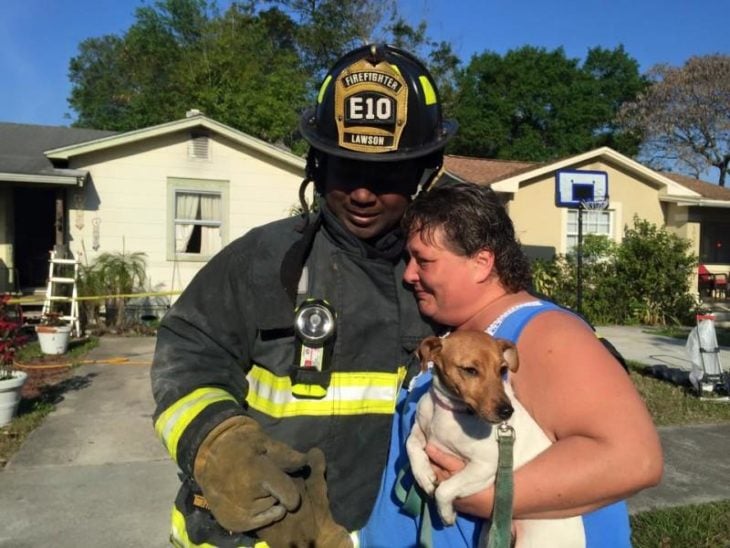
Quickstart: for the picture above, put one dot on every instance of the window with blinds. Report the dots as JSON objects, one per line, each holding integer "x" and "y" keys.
{"x": 594, "y": 222}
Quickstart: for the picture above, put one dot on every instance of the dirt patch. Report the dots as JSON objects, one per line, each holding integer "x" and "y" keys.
{"x": 43, "y": 372}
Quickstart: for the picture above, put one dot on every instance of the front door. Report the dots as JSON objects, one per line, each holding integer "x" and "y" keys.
{"x": 35, "y": 233}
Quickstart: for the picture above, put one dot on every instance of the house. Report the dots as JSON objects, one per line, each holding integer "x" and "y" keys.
{"x": 177, "y": 192}
{"x": 180, "y": 191}
{"x": 695, "y": 210}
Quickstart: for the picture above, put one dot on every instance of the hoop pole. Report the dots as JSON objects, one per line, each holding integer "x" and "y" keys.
{"x": 579, "y": 259}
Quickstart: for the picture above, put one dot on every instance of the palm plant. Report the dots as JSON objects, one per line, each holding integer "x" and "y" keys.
{"x": 119, "y": 274}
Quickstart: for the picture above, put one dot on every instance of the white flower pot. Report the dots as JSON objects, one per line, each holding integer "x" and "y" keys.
{"x": 10, "y": 395}
{"x": 53, "y": 339}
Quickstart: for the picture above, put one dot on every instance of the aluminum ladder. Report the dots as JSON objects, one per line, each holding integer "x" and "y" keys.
{"x": 62, "y": 274}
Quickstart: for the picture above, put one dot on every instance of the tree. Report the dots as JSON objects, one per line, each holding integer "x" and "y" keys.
{"x": 534, "y": 104}
{"x": 326, "y": 29}
{"x": 252, "y": 68}
{"x": 685, "y": 116}
{"x": 241, "y": 68}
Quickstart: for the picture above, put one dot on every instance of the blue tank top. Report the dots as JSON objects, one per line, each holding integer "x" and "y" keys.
{"x": 391, "y": 526}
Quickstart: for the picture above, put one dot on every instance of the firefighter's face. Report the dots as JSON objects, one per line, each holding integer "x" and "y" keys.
{"x": 369, "y": 198}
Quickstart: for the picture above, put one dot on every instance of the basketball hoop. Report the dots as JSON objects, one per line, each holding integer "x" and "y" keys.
{"x": 594, "y": 205}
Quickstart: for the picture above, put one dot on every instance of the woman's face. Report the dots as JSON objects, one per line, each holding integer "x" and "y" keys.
{"x": 446, "y": 285}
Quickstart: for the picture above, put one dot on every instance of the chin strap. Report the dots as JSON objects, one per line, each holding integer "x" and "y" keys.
{"x": 500, "y": 531}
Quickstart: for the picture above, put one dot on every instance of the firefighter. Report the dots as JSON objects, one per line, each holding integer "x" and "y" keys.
{"x": 293, "y": 342}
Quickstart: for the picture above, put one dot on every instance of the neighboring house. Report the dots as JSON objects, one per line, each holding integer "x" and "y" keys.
{"x": 182, "y": 190}
{"x": 692, "y": 209}
{"x": 178, "y": 192}
{"x": 33, "y": 197}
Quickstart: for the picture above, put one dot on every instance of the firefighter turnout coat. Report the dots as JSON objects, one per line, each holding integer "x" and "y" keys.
{"x": 227, "y": 347}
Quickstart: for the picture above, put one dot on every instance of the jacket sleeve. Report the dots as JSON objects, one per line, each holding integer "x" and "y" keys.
{"x": 202, "y": 355}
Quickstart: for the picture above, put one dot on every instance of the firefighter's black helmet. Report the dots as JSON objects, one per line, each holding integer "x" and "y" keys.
{"x": 378, "y": 103}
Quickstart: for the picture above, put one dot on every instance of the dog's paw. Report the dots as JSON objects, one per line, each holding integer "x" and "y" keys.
{"x": 426, "y": 479}
{"x": 446, "y": 511}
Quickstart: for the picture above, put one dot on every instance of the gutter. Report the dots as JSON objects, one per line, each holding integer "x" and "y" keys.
{"x": 72, "y": 178}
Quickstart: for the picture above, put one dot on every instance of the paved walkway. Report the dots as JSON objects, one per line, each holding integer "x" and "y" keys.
{"x": 94, "y": 474}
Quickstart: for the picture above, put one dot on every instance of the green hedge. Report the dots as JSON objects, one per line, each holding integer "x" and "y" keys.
{"x": 643, "y": 280}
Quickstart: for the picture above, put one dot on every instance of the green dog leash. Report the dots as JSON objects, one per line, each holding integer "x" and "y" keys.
{"x": 500, "y": 531}
{"x": 415, "y": 503}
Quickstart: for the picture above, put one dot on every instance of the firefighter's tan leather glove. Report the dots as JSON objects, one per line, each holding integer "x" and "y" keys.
{"x": 311, "y": 524}
{"x": 243, "y": 474}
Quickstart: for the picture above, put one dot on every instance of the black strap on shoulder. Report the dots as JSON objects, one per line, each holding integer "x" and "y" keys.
{"x": 293, "y": 263}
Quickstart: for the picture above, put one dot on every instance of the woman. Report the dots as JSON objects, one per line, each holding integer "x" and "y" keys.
{"x": 468, "y": 272}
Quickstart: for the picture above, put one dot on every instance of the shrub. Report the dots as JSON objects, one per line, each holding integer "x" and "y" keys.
{"x": 645, "y": 279}
{"x": 11, "y": 335}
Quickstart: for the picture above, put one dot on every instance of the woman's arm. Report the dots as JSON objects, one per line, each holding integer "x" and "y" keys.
{"x": 605, "y": 445}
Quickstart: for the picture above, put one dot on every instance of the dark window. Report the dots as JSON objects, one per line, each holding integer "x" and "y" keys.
{"x": 715, "y": 242}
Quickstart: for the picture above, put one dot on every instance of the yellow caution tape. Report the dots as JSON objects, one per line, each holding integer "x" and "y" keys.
{"x": 37, "y": 299}
{"x": 120, "y": 360}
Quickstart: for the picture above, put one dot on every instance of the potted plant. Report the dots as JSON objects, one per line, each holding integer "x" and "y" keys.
{"x": 11, "y": 381}
{"x": 53, "y": 333}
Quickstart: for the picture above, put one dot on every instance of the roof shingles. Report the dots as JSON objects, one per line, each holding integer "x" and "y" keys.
{"x": 483, "y": 171}
{"x": 22, "y": 145}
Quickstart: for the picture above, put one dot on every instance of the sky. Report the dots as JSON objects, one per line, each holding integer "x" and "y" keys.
{"x": 38, "y": 38}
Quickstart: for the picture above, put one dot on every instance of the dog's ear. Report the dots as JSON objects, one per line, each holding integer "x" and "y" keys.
{"x": 509, "y": 353}
{"x": 428, "y": 348}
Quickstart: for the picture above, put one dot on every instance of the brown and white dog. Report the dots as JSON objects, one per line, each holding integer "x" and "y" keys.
{"x": 469, "y": 396}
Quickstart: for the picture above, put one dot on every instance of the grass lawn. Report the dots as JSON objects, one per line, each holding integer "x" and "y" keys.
{"x": 696, "y": 526}
{"x": 670, "y": 404}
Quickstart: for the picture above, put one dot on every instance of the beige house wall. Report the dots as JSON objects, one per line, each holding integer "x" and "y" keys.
{"x": 125, "y": 205}
{"x": 678, "y": 223}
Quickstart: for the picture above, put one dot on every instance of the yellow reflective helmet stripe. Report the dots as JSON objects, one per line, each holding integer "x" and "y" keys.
{"x": 171, "y": 424}
{"x": 323, "y": 88}
{"x": 349, "y": 393}
{"x": 429, "y": 94}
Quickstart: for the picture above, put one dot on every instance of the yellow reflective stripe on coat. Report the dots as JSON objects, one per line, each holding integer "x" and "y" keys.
{"x": 179, "y": 535}
{"x": 172, "y": 423}
{"x": 349, "y": 393}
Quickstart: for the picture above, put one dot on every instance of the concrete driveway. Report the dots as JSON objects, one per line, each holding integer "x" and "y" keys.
{"x": 94, "y": 474}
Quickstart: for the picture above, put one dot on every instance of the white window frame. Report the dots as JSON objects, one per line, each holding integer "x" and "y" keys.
{"x": 177, "y": 185}
{"x": 589, "y": 225}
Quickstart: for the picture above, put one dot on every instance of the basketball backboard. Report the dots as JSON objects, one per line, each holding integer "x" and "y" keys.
{"x": 573, "y": 187}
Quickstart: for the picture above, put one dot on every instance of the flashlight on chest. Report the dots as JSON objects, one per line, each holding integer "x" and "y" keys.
{"x": 314, "y": 326}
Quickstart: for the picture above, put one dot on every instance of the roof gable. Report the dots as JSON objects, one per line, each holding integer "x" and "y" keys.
{"x": 506, "y": 176}
{"x": 195, "y": 121}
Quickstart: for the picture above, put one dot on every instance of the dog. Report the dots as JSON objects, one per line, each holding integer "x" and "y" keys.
{"x": 469, "y": 396}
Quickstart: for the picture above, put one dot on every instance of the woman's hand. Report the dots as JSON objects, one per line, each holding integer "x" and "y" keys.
{"x": 446, "y": 465}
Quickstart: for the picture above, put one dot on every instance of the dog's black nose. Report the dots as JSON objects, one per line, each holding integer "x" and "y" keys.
{"x": 505, "y": 411}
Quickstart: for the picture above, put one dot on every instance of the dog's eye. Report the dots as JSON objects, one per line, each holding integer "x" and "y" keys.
{"x": 470, "y": 371}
